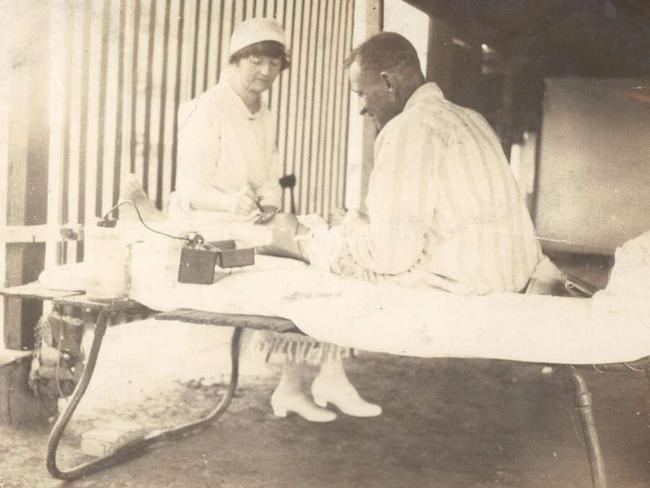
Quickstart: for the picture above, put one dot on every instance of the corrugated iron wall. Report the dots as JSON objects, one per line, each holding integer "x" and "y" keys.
{"x": 120, "y": 68}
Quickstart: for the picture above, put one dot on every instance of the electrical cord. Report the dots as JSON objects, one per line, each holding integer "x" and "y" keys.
{"x": 137, "y": 210}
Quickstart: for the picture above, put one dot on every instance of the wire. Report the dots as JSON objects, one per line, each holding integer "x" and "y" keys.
{"x": 124, "y": 202}
{"x": 137, "y": 210}
{"x": 596, "y": 249}
{"x": 597, "y": 369}
{"x": 632, "y": 368}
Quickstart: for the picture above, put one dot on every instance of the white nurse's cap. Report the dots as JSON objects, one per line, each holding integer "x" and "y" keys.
{"x": 255, "y": 30}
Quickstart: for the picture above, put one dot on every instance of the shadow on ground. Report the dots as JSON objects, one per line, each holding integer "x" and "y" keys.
{"x": 446, "y": 423}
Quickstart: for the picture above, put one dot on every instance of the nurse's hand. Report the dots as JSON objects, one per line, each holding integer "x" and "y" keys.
{"x": 270, "y": 209}
{"x": 244, "y": 201}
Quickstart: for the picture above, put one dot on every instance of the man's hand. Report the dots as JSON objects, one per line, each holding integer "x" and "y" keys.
{"x": 353, "y": 219}
{"x": 336, "y": 216}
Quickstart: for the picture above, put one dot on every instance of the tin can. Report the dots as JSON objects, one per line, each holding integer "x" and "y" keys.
{"x": 107, "y": 263}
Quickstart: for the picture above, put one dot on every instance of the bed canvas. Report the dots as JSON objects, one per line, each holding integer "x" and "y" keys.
{"x": 613, "y": 326}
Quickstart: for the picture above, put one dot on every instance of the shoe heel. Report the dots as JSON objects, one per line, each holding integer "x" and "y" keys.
{"x": 317, "y": 395}
{"x": 320, "y": 401}
{"x": 279, "y": 412}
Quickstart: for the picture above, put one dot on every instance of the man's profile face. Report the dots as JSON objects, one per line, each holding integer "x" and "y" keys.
{"x": 375, "y": 99}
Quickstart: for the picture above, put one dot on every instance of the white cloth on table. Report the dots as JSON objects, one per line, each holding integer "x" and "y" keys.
{"x": 213, "y": 226}
{"x": 444, "y": 209}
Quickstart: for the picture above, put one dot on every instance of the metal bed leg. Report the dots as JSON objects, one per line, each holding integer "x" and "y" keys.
{"x": 134, "y": 448}
{"x": 583, "y": 404}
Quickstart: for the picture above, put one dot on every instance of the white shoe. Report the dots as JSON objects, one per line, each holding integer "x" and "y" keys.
{"x": 282, "y": 403}
{"x": 345, "y": 397}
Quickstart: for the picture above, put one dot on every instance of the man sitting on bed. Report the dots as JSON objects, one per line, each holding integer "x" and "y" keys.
{"x": 444, "y": 209}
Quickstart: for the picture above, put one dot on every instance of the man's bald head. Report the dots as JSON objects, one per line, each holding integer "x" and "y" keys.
{"x": 385, "y": 51}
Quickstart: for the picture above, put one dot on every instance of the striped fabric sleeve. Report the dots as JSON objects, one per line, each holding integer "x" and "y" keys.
{"x": 399, "y": 201}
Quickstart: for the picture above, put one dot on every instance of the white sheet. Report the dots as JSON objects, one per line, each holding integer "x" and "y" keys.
{"x": 412, "y": 322}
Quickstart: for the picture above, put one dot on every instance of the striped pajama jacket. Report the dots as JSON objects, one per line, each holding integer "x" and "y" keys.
{"x": 443, "y": 208}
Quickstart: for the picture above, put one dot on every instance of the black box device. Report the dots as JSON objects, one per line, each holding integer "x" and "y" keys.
{"x": 197, "y": 266}
{"x": 198, "y": 261}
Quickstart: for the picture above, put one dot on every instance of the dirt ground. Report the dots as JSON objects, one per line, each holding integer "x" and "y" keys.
{"x": 446, "y": 423}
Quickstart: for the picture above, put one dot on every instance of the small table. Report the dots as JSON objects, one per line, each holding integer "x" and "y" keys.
{"x": 103, "y": 310}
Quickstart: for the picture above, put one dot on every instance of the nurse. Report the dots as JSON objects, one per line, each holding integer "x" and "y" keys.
{"x": 228, "y": 162}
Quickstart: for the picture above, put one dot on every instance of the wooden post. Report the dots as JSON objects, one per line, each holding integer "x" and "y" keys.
{"x": 27, "y": 184}
{"x": 374, "y": 24}
{"x": 506, "y": 124}
{"x": 440, "y": 55}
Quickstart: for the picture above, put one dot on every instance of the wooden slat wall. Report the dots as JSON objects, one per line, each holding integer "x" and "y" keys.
{"x": 5, "y": 93}
{"x": 122, "y": 67}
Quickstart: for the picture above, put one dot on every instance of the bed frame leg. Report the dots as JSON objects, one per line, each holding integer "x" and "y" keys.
{"x": 583, "y": 404}
{"x": 133, "y": 449}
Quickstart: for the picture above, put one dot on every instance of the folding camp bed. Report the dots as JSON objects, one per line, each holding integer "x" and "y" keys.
{"x": 106, "y": 312}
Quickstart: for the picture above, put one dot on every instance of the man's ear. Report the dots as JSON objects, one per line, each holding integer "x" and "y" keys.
{"x": 389, "y": 79}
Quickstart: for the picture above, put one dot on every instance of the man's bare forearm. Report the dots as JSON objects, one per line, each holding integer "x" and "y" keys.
{"x": 289, "y": 239}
